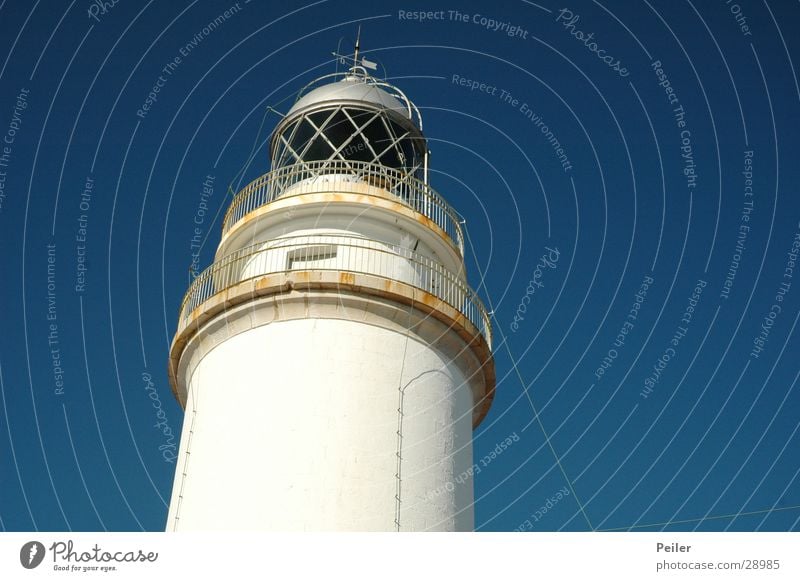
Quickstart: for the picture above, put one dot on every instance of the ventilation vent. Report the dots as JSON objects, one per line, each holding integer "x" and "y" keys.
{"x": 310, "y": 257}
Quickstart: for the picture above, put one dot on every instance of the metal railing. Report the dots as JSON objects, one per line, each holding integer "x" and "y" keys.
{"x": 340, "y": 176}
{"x": 342, "y": 254}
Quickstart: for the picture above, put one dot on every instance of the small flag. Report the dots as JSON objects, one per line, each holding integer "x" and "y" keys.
{"x": 369, "y": 64}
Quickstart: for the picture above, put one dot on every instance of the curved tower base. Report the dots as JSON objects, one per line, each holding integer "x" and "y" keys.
{"x": 358, "y": 416}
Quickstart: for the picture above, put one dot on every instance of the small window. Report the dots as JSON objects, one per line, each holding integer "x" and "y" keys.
{"x": 310, "y": 257}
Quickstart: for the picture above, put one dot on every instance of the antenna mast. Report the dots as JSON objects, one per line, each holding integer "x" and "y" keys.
{"x": 357, "y": 63}
{"x": 358, "y": 46}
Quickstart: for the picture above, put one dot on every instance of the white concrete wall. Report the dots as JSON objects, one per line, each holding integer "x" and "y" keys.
{"x": 294, "y": 428}
{"x": 351, "y": 219}
{"x": 337, "y": 251}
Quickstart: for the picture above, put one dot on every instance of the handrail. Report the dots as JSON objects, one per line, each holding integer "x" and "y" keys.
{"x": 340, "y": 175}
{"x": 337, "y": 253}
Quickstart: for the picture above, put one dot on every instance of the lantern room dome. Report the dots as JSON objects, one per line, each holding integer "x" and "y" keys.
{"x": 351, "y": 117}
{"x": 350, "y": 89}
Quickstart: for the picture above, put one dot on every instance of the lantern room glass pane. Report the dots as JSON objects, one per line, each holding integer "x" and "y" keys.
{"x": 348, "y": 134}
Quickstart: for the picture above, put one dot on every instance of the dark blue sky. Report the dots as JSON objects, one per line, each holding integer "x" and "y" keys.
{"x": 647, "y": 378}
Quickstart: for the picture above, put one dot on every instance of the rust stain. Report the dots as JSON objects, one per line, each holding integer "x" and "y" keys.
{"x": 423, "y": 219}
{"x": 306, "y": 280}
{"x": 262, "y": 283}
{"x": 430, "y": 300}
{"x": 385, "y": 199}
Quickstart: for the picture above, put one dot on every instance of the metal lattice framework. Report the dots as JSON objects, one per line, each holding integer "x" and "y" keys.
{"x": 345, "y": 133}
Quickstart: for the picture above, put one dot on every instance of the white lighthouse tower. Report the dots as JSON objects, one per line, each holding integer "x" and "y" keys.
{"x": 333, "y": 360}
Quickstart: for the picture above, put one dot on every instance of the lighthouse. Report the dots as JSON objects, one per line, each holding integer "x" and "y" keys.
{"x": 333, "y": 361}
